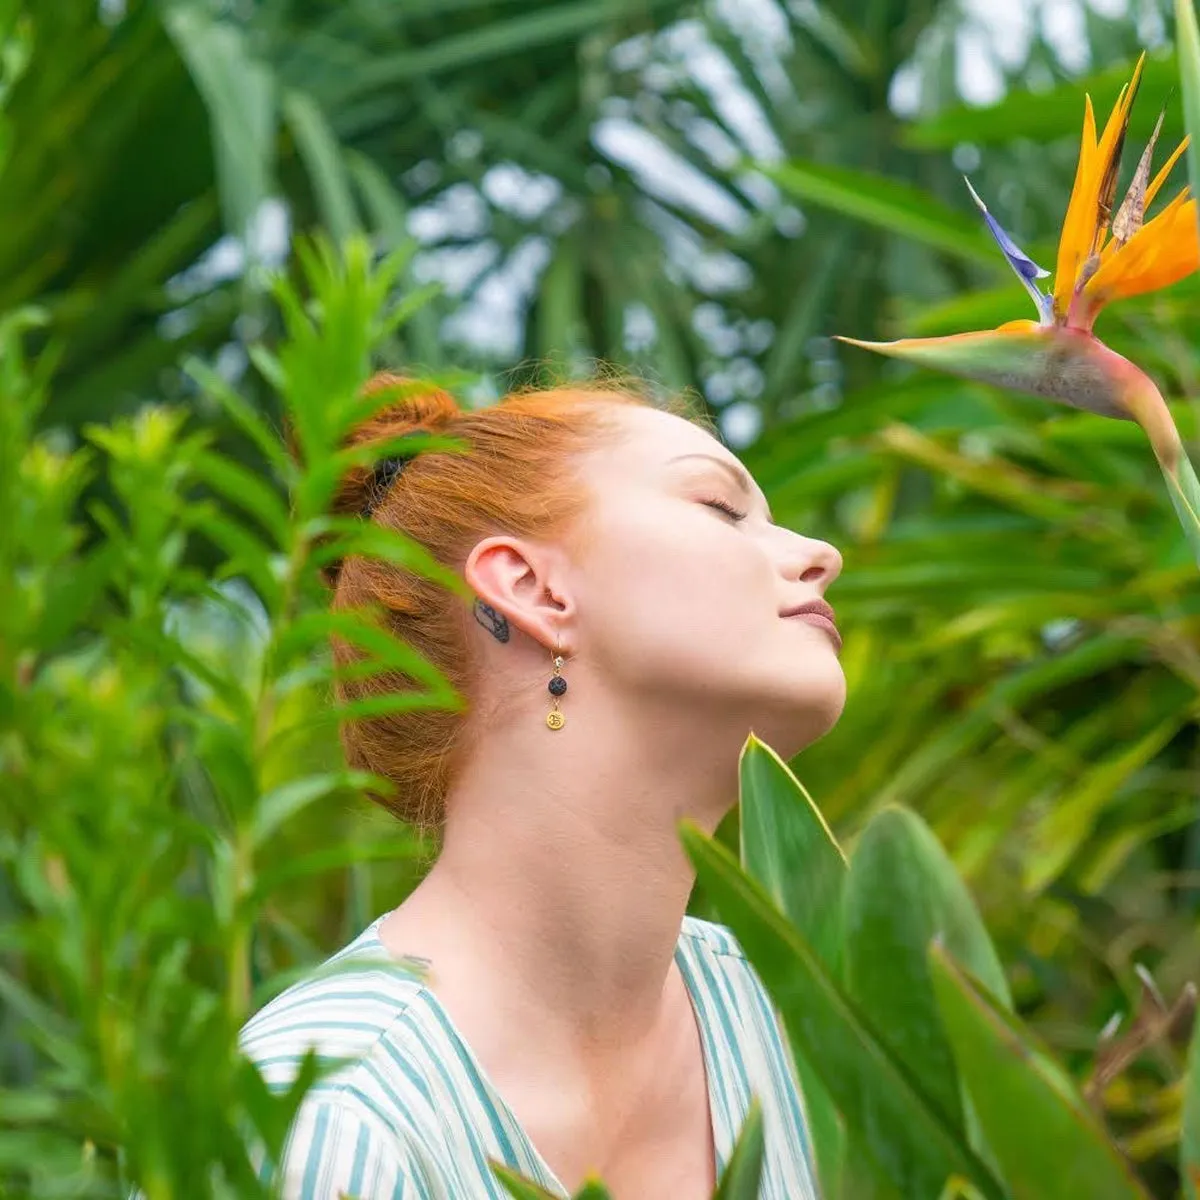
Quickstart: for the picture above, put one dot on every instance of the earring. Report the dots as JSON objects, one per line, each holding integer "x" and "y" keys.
{"x": 557, "y": 686}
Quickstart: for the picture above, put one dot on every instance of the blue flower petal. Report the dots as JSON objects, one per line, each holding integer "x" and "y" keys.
{"x": 1027, "y": 270}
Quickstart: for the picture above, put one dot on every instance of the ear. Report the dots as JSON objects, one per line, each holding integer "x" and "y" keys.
{"x": 523, "y": 580}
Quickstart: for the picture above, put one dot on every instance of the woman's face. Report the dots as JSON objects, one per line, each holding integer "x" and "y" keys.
{"x": 685, "y": 583}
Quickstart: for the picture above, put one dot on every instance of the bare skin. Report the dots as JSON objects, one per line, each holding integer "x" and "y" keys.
{"x": 552, "y": 913}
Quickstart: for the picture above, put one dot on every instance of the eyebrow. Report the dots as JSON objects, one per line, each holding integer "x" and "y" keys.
{"x": 738, "y": 475}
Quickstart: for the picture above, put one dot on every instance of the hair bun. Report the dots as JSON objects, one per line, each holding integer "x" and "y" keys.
{"x": 416, "y": 407}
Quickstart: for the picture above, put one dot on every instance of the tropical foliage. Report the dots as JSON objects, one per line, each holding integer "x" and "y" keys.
{"x": 705, "y": 193}
{"x": 919, "y": 1078}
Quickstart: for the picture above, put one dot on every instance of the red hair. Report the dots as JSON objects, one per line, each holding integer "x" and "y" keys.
{"x": 514, "y": 477}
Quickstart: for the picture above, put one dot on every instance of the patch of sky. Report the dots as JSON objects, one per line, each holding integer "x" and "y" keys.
{"x": 491, "y": 319}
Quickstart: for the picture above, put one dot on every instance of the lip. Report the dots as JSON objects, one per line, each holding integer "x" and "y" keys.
{"x": 819, "y": 614}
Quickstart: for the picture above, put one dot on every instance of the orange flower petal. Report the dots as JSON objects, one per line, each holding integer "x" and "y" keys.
{"x": 1091, "y": 198}
{"x": 1164, "y": 251}
{"x": 1069, "y": 243}
{"x": 1161, "y": 177}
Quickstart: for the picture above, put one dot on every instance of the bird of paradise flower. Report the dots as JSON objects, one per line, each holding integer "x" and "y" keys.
{"x": 1102, "y": 256}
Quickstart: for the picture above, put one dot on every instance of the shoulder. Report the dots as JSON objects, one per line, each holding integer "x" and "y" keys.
{"x": 727, "y": 990}
{"x": 336, "y": 1149}
{"x": 710, "y": 939}
{"x": 353, "y": 1130}
{"x": 343, "y": 1011}
{"x": 720, "y": 974}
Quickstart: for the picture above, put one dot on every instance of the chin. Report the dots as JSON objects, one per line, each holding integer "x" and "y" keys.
{"x": 805, "y": 714}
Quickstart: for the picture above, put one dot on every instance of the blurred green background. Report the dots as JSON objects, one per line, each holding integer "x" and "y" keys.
{"x": 703, "y": 193}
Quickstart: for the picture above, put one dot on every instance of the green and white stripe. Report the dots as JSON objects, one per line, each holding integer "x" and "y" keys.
{"x": 407, "y": 1111}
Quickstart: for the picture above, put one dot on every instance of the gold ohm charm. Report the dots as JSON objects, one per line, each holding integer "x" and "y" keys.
{"x": 558, "y": 685}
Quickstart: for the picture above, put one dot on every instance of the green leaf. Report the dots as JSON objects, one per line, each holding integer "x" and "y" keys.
{"x": 743, "y": 1173}
{"x": 888, "y": 204}
{"x": 859, "y": 1178}
{"x": 1184, "y": 490}
{"x": 164, "y": 648}
{"x": 521, "y": 1188}
{"x": 1057, "y": 836}
{"x": 960, "y": 1189}
{"x": 307, "y": 866}
{"x": 787, "y": 846}
{"x": 284, "y": 802}
{"x": 272, "y": 1113}
{"x": 560, "y": 328}
{"x": 67, "y": 607}
{"x": 1187, "y": 34}
{"x": 382, "y": 651}
{"x": 1046, "y": 1142}
{"x": 239, "y": 94}
{"x": 1189, "y": 1148}
{"x": 903, "y": 892}
{"x": 21, "y": 1107}
{"x": 383, "y": 203}
{"x": 323, "y": 158}
{"x": 519, "y": 34}
{"x": 374, "y": 541}
{"x": 593, "y": 1189}
{"x": 387, "y": 705}
{"x": 246, "y": 553}
{"x": 239, "y": 410}
{"x": 1043, "y": 116}
{"x": 245, "y": 489}
{"x": 910, "y": 1142}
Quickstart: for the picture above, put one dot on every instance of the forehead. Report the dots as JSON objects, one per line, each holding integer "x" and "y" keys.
{"x": 650, "y": 438}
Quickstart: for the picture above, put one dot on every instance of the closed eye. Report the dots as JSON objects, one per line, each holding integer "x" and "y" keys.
{"x": 726, "y": 507}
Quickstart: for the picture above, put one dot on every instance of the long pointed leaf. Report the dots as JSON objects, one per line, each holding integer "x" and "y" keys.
{"x": 1187, "y": 35}
{"x": 890, "y": 205}
{"x": 789, "y": 849}
{"x": 743, "y": 1173}
{"x": 521, "y": 1188}
{"x": 326, "y": 168}
{"x": 1044, "y": 1138}
{"x": 902, "y": 893}
{"x": 909, "y": 1141}
{"x": 1184, "y": 490}
{"x": 239, "y": 93}
{"x": 518, "y": 1186}
{"x": 1189, "y": 1150}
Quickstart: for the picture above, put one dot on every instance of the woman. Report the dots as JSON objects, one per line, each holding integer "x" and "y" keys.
{"x": 541, "y": 999}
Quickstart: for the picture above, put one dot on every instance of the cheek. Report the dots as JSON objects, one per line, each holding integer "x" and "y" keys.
{"x": 681, "y": 582}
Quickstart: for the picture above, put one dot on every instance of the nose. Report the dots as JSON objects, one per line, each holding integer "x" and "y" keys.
{"x": 810, "y": 560}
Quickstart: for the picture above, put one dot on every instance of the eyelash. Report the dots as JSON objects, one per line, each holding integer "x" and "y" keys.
{"x": 726, "y": 507}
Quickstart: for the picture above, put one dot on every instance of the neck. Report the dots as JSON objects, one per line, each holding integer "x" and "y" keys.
{"x": 562, "y": 871}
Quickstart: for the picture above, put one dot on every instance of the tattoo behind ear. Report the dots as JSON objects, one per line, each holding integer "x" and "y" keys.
{"x": 494, "y": 622}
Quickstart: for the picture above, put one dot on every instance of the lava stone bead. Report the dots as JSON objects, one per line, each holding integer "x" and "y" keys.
{"x": 558, "y": 685}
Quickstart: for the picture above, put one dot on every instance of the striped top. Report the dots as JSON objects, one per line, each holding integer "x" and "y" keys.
{"x": 409, "y": 1114}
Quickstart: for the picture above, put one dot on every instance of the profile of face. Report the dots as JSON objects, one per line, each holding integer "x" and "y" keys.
{"x": 680, "y": 598}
